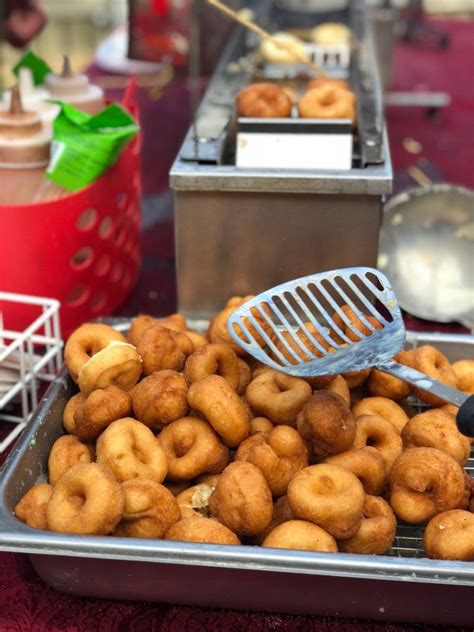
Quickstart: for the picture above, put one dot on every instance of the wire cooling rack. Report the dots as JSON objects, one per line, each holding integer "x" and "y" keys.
{"x": 28, "y": 359}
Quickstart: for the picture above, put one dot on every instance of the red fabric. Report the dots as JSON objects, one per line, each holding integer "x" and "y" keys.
{"x": 26, "y": 604}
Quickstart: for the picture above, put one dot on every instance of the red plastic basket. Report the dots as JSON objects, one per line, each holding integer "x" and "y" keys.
{"x": 83, "y": 249}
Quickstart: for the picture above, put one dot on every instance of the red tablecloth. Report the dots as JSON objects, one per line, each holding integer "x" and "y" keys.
{"x": 26, "y": 604}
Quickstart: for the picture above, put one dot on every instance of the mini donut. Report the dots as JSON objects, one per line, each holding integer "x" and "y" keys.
{"x": 175, "y": 322}
{"x": 367, "y": 464}
{"x": 278, "y": 396}
{"x": 99, "y": 410}
{"x": 283, "y": 48}
{"x": 213, "y": 359}
{"x": 307, "y": 344}
{"x": 245, "y": 376}
{"x": 326, "y": 422}
{"x": 192, "y": 448}
{"x": 434, "y": 364}
{"x": 264, "y": 100}
{"x": 198, "y": 340}
{"x": 31, "y": 509}
{"x": 260, "y": 424}
{"x": 242, "y": 499}
{"x": 357, "y": 323}
{"x": 377, "y": 529}
{"x": 66, "y": 452}
{"x": 118, "y": 364}
{"x": 129, "y": 449}
{"x": 86, "y": 500}
{"x": 375, "y": 431}
{"x": 300, "y": 535}
{"x": 194, "y": 501}
{"x": 331, "y": 34}
{"x": 85, "y": 342}
{"x": 138, "y": 326}
{"x": 464, "y": 372}
{"x": 161, "y": 348}
{"x": 329, "y": 496}
{"x": 382, "y": 384}
{"x": 160, "y": 398}
{"x": 278, "y": 454}
{"x": 356, "y": 378}
{"x": 203, "y": 530}
{"x": 450, "y": 536}
{"x": 328, "y": 102}
{"x": 220, "y": 405}
{"x": 320, "y": 81}
{"x": 423, "y": 483}
{"x": 437, "y": 429}
{"x": 382, "y": 407}
{"x": 150, "y": 510}
{"x": 339, "y": 386}
{"x": 73, "y": 405}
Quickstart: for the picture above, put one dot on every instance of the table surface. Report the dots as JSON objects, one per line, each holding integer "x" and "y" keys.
{"x": 447, "y": 154}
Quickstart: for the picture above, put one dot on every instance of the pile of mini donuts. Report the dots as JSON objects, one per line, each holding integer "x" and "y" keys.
{"x": 326, "y": 98}
{"x": 180, "y": 436}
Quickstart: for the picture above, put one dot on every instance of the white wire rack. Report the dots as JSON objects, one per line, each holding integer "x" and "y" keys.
{"x": 28, "y": 358}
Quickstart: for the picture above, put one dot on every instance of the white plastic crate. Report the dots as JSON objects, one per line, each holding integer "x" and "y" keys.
{"x": 27, "y": 359}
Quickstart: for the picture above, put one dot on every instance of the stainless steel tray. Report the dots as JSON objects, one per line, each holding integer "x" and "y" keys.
{"x": 401, "y": 586}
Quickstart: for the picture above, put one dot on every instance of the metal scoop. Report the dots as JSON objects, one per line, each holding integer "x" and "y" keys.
{"x": 300, "y": 328}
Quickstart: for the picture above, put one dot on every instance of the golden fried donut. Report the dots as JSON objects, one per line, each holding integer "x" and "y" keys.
{"x": 423, "y": 483}
{"x": 382, "y": 384}
{"x": 330, "y": 496}
{"x": 356, "y": 378}
{"x": 433, "y": 363}
{"x": 437, "y": 429}
{"x": 278, "y": 396}
{"x": 245, "y": 376}
{"x": 209, "y": 479}
{"x": 375, "y": 431}
{"x": 263, "y": 100}
{"x": 278, "y": 454}
{"x": 175, "y": 322}
{"x": 138, "y": 326}
{"x": 322, "y": 81}
{"x": 161, "y": 348}
{"x": 242, "y": 500}
{"x": 450, "y": 536}
{"x": 31, "y": 509}
{"x": 66, "y": 452}
{"x": 464, "y": 372}
{"x": 192, "y": 448}
{"x": 300, "y": 535}
{"x": 377, "y": 530}
{"x": 73, "y": 405}
{"x": 150, "y": 510}
{"x": 220, "y": 405}
{"x": 118, "y": 364}
{"x": 331, "y": 34}
{"x": 307, "y": 343}
{"x": 198, "y": 340}
{"x": 326, "y": 422}
{"x": 99, "y": 410}
{"x": 130, "y": 450}
{"x": 260, "y": 424}
{"x": 213, "y": 359}
{"x": 86, "y": 500}
{"x": 339, "y": 386}
{"x": 194, "y": 501}
{"x": 328, "y": 102}
{"x": 160, "y": 398}
{"x": 283, "y": 48}
{"x": 204, "y": 530}
{"x": 85, "y": 342}
{"x": 356, "y": 322}
{"x": 382, "y": 407}
{"x": 367, "y": 464}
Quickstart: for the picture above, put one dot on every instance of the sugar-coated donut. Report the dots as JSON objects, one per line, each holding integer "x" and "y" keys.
{"x": 203, "y": 530}
{"x": 263, "y": 100}
{"x": 194, "y": 501}
{"x": 99, "y": 410}
{"x": 328, "y": 102}
{"x": 31, "y": 509}
{"x": 192, "y": 448}
{"x": 300, "y": 535}
{"x": 367, "y": 464}
{"x": 450, "y": 536}
{"x": 330, "y": 496}
{"x": 382, "y": 407}
{"x": 375, "y": 431}
{"x": 66, "y": 452}
{"x": 283, "y": 48}
{"x": 464, "y": 372}
{"x": 129, "y": 450}
{"x": 160, "y": 398}
{"x": 150, "y": 510}
{"x": 118, "y": 364}
{"x": 377, "y": 529}
{"x": 242, "y": 499}
{"x": 161, "y": 348}
{"x": 86, "y": 500}
{"x": 213, "y": 359}
{"x": 423, "y": 483}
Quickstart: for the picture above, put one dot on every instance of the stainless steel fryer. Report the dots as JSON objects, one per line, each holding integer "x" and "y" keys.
{"x": 400, "y": 586}
{"x": 240, "y": 231}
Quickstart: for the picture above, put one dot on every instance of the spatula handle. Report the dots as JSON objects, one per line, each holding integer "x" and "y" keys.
{"x": 465, "y": 417}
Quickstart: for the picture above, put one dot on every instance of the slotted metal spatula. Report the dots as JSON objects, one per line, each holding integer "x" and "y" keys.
{"x": 302, "y": 328}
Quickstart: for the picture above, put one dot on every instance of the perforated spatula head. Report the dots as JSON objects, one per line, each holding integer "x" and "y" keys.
{"x": 323, "y": 324}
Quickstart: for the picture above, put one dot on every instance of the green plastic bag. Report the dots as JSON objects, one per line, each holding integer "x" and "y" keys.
{"x": 39, "y": 68}
{"x": 84, "y": 146}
